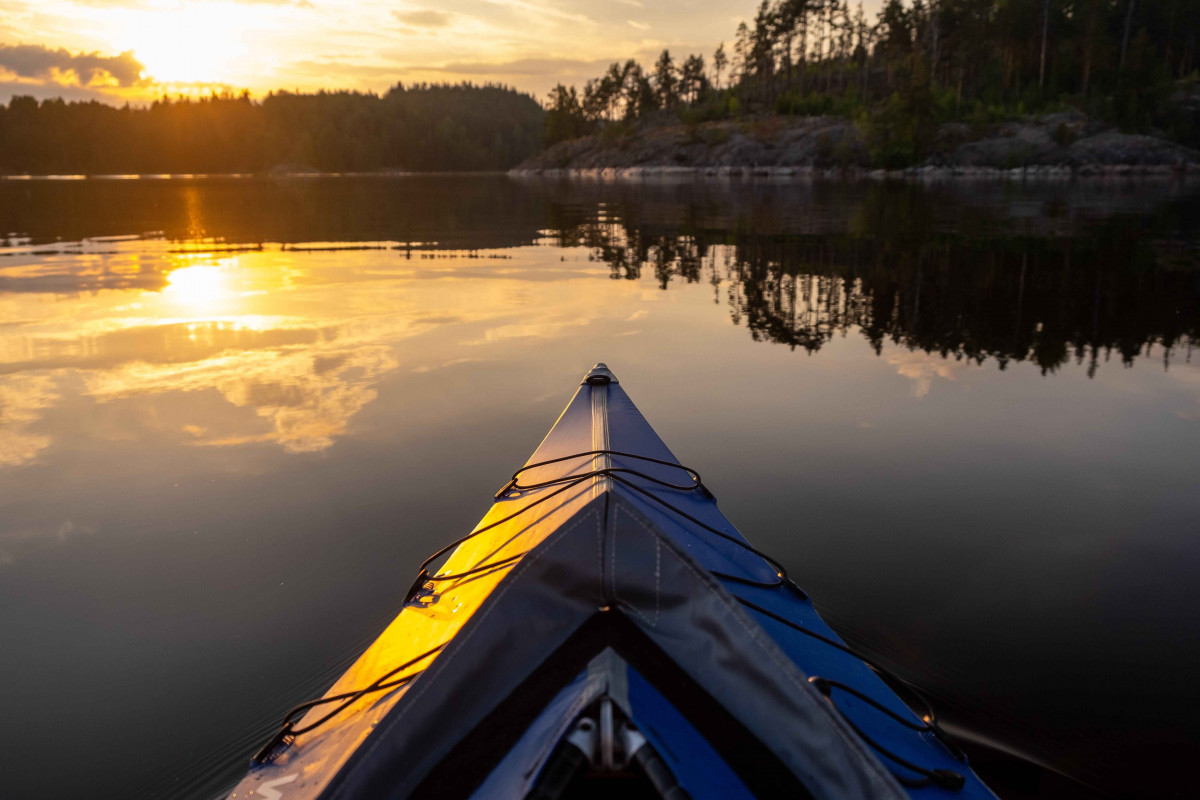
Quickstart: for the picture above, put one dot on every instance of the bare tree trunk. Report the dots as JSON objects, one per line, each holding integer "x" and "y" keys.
{"x": 866, "y": 76}
{"x": 1088, "y": 45}
{"x": 822, "y": 81}
{"x": 1045, "y": 29}
{"x": 803, "y": 48}
{"x": 787, "y": 60}
{"x": 1125, "y": 38}
{"x": 829, "y": 51}
{"x": 843, "y": 47}
{"x": 933, "y": 58}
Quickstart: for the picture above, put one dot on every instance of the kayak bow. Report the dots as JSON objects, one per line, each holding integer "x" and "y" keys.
{"x": 605, "y": 626}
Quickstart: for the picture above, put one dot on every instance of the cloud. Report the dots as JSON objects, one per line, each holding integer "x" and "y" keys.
{"x": 424, "y": 18}
{"x": 23, "y": 401}
{"x": 46, "y": 91}
{"x": 338, "y": 65}
{"x": 641, "y": 26}
{"x": 923, "y": 368}
{"x": 37, "y": 62}
{"x": 140, "y": 4}
{"x": 22, "y": 539}
{"x": 544, "y": 11}
{"x": 307, "y": 394}
{"x": 526, "y": 66}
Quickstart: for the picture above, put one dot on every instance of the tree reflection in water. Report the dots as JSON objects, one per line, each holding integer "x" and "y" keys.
{"x": 1117, "y": 289}
{"x": 1047, "y": 273}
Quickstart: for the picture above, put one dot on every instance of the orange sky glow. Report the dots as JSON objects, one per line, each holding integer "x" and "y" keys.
{"x": 136, "y": 50}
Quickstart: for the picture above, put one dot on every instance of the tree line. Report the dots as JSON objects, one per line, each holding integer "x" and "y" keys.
{"x": 415, "y": 127}
{"x": 915, "y": 65}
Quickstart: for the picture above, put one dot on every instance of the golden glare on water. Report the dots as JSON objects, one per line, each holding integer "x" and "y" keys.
{"x": 272, "y": 347}
{"x": 201, "y": 288}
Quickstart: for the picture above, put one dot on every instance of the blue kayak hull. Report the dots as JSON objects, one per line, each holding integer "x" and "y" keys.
{"x": 605, "y": 574}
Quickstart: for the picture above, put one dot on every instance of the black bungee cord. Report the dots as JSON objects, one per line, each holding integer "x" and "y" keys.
{"x": 945, "y": 778}
{"x": 287, "y": 734}
{"x": 617, "y": 474}
{"x": 930, "y": 725}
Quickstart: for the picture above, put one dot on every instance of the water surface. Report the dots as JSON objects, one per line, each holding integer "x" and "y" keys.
{"x": 236, "y": 414}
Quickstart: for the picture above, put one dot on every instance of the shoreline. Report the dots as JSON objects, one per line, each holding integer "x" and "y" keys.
{"x": 1156, "y": 172}
{"x": 150, "y": 177}
{"x": 1059, "y": 146}
{"x": 1187, "y": 172}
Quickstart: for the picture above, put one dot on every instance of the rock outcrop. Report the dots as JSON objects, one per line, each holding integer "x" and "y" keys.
{"x": 1063, "y": 143}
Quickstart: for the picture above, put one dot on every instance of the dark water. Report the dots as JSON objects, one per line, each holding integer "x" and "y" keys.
{"x": 966, "y": 418}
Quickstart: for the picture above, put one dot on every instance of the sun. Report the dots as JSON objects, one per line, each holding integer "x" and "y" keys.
{"x": 187, "y": 42}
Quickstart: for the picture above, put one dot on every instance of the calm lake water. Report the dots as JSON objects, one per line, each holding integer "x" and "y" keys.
{"x": 236, "y": 414}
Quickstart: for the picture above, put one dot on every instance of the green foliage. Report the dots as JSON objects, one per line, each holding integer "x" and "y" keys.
{"x": 1064, "y": 135}
{"x": 565, "y": 117}
{"x": 989, "y": 113}
{"x": 816, "y": 104}
{"x": 982, "y": 61}
{"x": 420, "y": 127}
{"x": 890, "y": 133}
{"x": 617, "y": 133}
{"x": 717, "y": 106}
{"x": 901, "y": 131}
{"x": 715, "y": 134}
{"x": 1143, "y": 86}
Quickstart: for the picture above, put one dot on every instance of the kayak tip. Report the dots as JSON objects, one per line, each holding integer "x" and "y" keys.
{"x": 600, "y": 375}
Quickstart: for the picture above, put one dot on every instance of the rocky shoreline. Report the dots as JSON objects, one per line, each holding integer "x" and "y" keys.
{"x": 928, "y": 172}
{"x": 1052, "y": 147}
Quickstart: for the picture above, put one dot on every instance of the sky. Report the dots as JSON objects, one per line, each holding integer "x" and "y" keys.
{"x": 135, "y": 50}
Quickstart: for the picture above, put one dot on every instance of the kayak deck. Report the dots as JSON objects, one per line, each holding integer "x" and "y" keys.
{"x": 605, "y": 577}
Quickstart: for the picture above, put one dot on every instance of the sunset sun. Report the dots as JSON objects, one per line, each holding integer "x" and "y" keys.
{"x": 183, "y": 43}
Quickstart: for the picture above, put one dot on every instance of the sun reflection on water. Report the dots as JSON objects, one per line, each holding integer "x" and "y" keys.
{"x": 201, "y": 287}
{"x": 262, "y": 347}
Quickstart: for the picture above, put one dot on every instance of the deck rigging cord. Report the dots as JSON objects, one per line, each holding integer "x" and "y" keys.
{"x": 287, "y": 734}
{"x": 947, "y": 779}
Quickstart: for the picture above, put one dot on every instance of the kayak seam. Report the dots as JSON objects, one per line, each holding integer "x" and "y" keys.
{"x": 657, "y": 568}
{"x": 786, "y": 666}
{"x": 600, "y": 529}
{"x": 380, "y": 734}
{"x": 600, "y": 436}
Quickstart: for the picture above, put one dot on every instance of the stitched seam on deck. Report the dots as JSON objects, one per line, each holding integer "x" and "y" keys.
{"x": 786, "y": 666}
{"x": 653, "y": 623}
{"x": 600, "y": 549}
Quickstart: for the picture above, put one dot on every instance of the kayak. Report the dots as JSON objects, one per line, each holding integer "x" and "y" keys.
{"x": 604, "y": 629}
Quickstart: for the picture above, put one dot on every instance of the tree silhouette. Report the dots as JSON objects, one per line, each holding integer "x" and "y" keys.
{"x": 665, "y": 81}
{"x": 422, "y": 126}
{"x": 975, "y": 60}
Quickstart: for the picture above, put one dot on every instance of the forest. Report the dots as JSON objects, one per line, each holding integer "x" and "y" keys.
{"x": 915, "y": 66}
{"x": 415, "y": 127}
